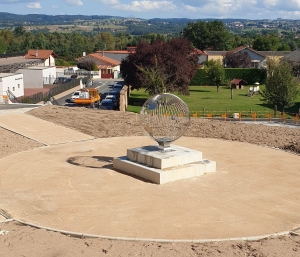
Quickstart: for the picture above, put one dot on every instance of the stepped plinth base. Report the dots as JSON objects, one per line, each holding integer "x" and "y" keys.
{"x": 160, "y": 167}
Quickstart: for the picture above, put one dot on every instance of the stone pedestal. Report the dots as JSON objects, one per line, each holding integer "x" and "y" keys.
{"x": 160, "y": 167}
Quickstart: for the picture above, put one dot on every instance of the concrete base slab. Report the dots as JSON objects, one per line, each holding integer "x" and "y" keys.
{"x": 153, "y": 156}
{"x": 158, "y": 166}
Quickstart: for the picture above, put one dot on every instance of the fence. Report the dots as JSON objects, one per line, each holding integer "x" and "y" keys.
{"x": 48, "y": 96}
{"x": 251, "y": 115}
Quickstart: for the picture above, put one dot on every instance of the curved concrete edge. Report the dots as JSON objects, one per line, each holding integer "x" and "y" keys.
{"x": 83, "y": 235}
{"x": 5, "y": 221}
{"x": 24, "y": 136}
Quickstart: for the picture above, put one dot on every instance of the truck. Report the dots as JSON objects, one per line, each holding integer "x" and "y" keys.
{"x": 88, "y": 96}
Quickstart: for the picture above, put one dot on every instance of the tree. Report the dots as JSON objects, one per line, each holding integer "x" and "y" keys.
{"x": 160, "y": 66}
{"x": 237, "y": 60}
{"x": 266, "y": 43}
{"x": 204, "y": 34}
{"x": 281, "y": 86}
{"x": 87, "y": 64}
{"x": 19, "y": 31}
{"x": 215, "y": 72}
{"x": 3, "y": 47}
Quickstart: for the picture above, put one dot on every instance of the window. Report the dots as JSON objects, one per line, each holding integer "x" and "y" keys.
{"x": 13, "y": 88}
{"x": 18, "y": 85}
{"x": 7, "y": 88}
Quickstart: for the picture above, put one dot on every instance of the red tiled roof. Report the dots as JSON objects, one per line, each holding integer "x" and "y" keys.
{"x": 39, "y": 54}
{"x": 237, "y": 81}
{"x": 104, "y": 59}
{"x": 199, "y": 52}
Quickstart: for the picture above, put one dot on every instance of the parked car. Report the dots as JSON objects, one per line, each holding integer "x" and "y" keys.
{"x": 74, "y": 76}
{"x": 75, "y": 95}
{"x": 114, "y": 99}
{"x": 60, "y": 80}
{"x": 115, "y": 93}
{"x": 106, "y": 104}
{"x": 118, "y": 87}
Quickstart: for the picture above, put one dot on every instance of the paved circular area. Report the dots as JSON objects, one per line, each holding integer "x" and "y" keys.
{"x": 254, "y": 191}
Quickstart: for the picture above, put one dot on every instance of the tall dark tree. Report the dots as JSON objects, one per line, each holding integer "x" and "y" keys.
{"x": 204, "y": 34}
{"x": 160, "y": 67}
{"x": 237, "y": 60}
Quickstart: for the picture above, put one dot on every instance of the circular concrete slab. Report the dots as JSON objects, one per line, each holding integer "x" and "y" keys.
{"x": 254, "y": 191}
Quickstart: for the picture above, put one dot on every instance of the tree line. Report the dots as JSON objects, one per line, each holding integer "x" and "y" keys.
{"x": 161, "y": 63}
{"x": 212, "y": 35}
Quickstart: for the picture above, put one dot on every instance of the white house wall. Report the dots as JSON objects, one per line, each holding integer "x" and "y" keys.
{"x": 255, "y": 56}
{"x": 13, "y": 82}
{"x": 34, "y": 76}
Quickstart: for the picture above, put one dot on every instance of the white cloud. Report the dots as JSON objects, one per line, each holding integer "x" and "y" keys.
{"x": 34, "y": 5}
{"x": 54, "y": 6}
{"x": 74, "y": 2}
{"x": 141, "y": 6}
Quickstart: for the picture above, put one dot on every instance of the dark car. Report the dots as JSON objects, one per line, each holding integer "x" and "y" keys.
{"x": 74, "y": 76}
{"x": 107, "y": 104}
{"x": 118, "y": 87}
{"x": 60, "y": 80}
{"x": 115, "y": 93}
{"x": 113, "y": 98}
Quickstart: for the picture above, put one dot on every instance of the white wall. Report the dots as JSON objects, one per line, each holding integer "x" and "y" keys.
{"x": 50, "y": 61}
{"x": 12, "y": 81}
{"x": 34, "y": 76}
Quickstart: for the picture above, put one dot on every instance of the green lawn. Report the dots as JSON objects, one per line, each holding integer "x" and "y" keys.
{"x": 205, "y": 99}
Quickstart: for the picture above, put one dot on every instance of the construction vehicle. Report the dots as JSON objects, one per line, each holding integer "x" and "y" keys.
{"x": 88, "y": 96}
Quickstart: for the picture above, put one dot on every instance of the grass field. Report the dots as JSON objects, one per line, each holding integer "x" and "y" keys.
{"x": 205, "y": 100}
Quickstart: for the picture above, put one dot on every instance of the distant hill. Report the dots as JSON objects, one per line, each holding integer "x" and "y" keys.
{"x": 41, "y": 19}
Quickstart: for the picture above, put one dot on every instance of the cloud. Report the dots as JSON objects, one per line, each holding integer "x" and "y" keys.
{"x": 74, "y": 2}
{"x": 54, "y": 6}
{"x": 34, "y": 5}
{"x": 141, "y": 6}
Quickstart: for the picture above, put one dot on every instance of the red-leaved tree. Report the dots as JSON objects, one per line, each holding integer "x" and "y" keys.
{"x": 161, "y": 67}
{"x": 237, "y": 60}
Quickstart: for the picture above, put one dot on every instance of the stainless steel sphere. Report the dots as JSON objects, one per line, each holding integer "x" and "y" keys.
{"x": 165, "y": 117}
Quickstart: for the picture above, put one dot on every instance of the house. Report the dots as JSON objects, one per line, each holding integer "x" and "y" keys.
{"x": 108, "y": 68}
{"x": 47, "y": 56}
{"x": 215, "y": 55}
{"x": 258, "y": 59}
{"x": 238, "y": 83}
{"x": 293, "y": 58}
{"x": 274, "y": 55}
{"x": 36, "y": 76}
{"x": 12, "y": 82}
{"x": 202, "y": 56}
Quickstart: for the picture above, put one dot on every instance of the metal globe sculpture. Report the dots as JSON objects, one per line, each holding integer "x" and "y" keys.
{"x": 165, "y": 117}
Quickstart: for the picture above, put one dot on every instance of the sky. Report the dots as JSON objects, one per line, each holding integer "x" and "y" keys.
{"x": 192, "y": 9}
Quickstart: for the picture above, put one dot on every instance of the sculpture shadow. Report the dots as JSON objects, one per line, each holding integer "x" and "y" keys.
{"x": 100, "y": 162}
{"x": 94, "y": 162}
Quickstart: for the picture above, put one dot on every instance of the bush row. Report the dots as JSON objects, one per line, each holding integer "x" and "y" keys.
{"x": 249, "y": 75}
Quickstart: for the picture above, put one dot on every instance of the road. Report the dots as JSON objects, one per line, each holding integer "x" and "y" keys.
{"x": 103, "y": 86}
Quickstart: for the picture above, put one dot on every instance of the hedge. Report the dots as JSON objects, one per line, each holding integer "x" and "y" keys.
{"x": 249, "y": 75}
